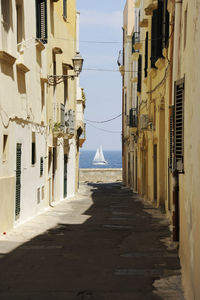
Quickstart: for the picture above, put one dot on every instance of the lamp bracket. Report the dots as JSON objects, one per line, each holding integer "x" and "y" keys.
{"x": 57, "y": 79}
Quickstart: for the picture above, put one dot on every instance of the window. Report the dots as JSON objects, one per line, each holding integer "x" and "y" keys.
{"x": 42, "y": 95}
{"x": 5, "y": 14}
{"x": 65, "y": 85}
{"x": 146, "y": 54}
{"x": 171, "y": 128}
{"x": 19, "y": 12}
{"x": 41, "y": 166}
{"x": 41, "y": 20}
{"x": 5, "y": 147}
{"x": 159, "y": 31}
{"x": 38, "y": 195}
{"x": 65, "y": 9}
{"x": 139, "y": 83}
{"x": 179, "y": 126}
{"x": 33, "y": 150}
{"x": 185, "y": 27}
{"x": 165, "y": 25}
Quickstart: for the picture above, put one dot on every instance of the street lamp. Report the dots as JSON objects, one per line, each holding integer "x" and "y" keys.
{"x": 77, "y": 67}
{"x": 77, "y": 63}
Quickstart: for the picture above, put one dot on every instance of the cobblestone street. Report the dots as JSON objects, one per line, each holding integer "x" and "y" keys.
{"x": 105, "y": 244}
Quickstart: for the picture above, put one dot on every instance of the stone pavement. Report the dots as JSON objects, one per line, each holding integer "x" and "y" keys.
{"x": 105, "y": 244}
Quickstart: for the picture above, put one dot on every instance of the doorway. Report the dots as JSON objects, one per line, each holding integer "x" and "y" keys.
{"x": 155, "y": 171}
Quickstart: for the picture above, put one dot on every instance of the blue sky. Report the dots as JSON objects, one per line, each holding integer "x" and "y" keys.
{"x": 101, "y": 21}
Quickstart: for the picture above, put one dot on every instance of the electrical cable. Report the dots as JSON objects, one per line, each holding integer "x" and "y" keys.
{"x": 109, "y": 120}
{"x": 108, "y": 70}
{"x": 104, "y": 130}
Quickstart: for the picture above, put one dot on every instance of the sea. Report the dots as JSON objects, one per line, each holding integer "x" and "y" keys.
{"x": 114, "y": 159}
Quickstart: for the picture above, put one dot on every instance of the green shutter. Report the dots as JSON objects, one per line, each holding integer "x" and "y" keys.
{"x": 18, "y": 180}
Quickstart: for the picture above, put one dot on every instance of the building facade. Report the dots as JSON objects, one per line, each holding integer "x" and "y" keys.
{"x": 160, "y": 120}
{"x": 39, "y": 135}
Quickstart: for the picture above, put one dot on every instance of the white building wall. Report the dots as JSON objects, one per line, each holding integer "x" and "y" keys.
{"x": 21, "y": 114}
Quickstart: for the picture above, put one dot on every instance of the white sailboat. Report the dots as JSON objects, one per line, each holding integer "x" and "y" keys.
{"x": 99, "y": 157}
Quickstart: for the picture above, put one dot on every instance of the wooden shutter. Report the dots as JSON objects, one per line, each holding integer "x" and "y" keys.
{"x": 139, "y": 84}
{"x": 41, "y": 20}
{"x": 165, "y": 30}
{"x": 157, "y": 34}
{"x": 146, "y": 54}
{"x": 179, "y": 126}
{"x": 171, "y": 140}
{"x": 18, "y": 179}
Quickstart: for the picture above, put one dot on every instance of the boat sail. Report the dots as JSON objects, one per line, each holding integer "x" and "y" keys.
{"x": 99, "y": 157}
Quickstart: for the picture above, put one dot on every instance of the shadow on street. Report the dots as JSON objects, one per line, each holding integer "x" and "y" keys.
{"x": 116, "y": 254}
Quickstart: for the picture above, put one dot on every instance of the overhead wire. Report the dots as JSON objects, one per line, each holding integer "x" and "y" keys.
{"x": 104, "y": 130}
{"x": 107, "y": 70}
{"x": 109, "y": 120}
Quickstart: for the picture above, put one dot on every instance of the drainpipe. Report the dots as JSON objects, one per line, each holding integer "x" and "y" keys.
{"x": 123, "y": 127}
{"x": 176, "y": 76}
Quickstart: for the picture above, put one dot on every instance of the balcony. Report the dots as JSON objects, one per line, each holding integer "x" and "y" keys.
{"x": 136, "y": 44}
{"x": 150, "y": 7}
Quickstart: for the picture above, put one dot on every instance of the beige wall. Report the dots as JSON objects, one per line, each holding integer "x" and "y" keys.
{"x": 7, "y": 188}
{"x": 189, "y": 181}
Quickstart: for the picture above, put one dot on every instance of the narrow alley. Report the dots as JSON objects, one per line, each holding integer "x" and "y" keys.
{"x": 104, "y": 244}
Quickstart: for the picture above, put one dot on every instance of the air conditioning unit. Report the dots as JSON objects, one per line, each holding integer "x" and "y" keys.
{"x": 144, "y": 120}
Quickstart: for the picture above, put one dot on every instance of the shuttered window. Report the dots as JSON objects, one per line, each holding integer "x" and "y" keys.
{"x": 139, "y": 83}
{"x": 165, "y": 29}
{"x": 171, "y": 139}
{"x": 18, "y": 180}
{"x": 65, "y": 9}
{"x": 41, "y": 20}
{"x": 41, "y": 166}
{"x": 159, "y": 31}
{"x": 179, "y": 126}
{"x": 146, "y": 54}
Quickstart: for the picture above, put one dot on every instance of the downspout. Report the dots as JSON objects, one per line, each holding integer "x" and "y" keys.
{"x": 176, "y": 76}
{"x": 123, "y": 141}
